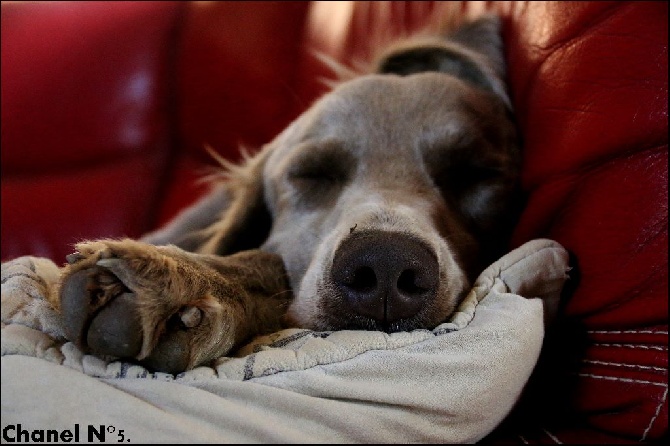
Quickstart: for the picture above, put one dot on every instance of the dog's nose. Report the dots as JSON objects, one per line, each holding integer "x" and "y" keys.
{"x": 385, "y": 275}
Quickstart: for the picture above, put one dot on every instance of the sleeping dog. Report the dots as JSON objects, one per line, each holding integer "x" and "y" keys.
{"x": 374, "y": 210}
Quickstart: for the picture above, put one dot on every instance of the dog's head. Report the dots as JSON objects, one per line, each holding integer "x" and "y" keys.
{"x": 394, "y": 190}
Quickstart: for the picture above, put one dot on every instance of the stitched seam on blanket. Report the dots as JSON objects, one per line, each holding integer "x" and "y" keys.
{"x": 273, "y": 370}
{"x": 124, "y": 370}
{"x": 294, "y": 337}
{"x": 248, "y": 367}
{"x": 325, "y": 334}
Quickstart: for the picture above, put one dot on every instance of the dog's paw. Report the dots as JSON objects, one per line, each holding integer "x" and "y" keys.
{"x": 159, "y": 305}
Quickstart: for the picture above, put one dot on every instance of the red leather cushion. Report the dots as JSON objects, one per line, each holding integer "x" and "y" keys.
{"x": 86, "y": 118}
{"x": 235, "y": 81}
{"x": 592, "y": 102}
{"x": 82, "y": 82}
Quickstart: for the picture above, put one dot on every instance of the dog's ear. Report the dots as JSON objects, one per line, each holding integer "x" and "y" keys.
{"x": 484, "y": 36}
{"x": 246, "y": 221}
{"x": 473, "y": 53}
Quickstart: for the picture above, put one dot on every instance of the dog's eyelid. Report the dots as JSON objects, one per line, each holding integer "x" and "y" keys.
{"x": 462, "y": 176}
{"x": 321, "y": 170}
{"x": 470, "y": 156}
{"x": 327, "y": 162}
{"x": 437, "y": 145}
{"x": 314, "y": 176}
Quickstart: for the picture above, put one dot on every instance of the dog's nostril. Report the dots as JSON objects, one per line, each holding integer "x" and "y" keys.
{"x": 407, "y": 283}
{"x": 364, "y": 279}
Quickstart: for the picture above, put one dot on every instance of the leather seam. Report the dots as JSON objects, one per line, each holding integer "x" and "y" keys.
{"x": 626, "y": 332}
{"x": 552, "y": 436}
{"x": 653, "y": 418}
{"x": 627, "y": 380}
{"x": 624, "y": 365}
{"x": 633, "y": 346}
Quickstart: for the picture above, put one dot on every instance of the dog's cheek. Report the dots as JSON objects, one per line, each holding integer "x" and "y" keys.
{"x": 312, "y": 286}
{"x": 454, "y": 281}
{"x": 302, "y": 314}
{"x": 313, "y": 311}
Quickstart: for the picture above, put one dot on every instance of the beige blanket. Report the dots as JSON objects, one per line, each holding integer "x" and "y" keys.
{"x": 452, "y": 384}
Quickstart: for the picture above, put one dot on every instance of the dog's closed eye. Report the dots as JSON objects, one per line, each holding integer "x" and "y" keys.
{"x": 474, "y": 185}
{"x": 318, "y": 172}
{"x": 459, "y": 178}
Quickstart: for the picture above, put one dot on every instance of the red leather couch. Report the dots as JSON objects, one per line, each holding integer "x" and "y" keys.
{"x": 106, "y": 107}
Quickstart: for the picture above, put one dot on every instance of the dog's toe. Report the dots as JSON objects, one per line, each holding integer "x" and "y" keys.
{"x": 116, "y": 329}
{"x": 100, "y": 314}
{"x": 172, "y": 354}
{"x": 75, "y": 306}
{"x": 74, "y": 257}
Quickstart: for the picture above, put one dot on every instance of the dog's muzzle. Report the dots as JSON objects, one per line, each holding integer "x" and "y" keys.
{"x": 386, "y": 276}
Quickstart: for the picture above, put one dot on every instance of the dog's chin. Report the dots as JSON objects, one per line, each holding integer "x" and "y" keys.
{"x": 357, "y": 322}
{"x": 363, "y": 323}
{"x": 332, "y": 314}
